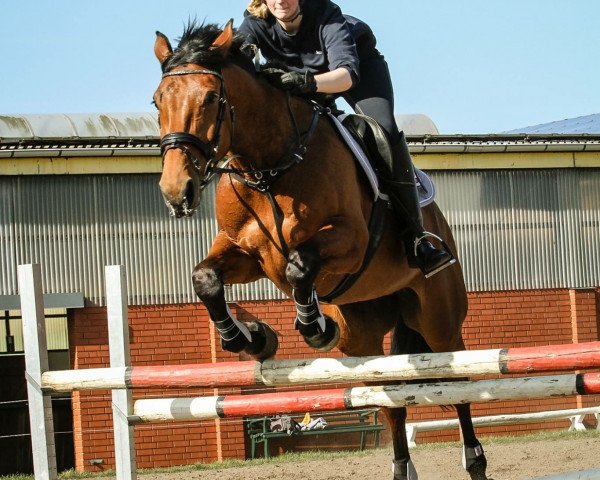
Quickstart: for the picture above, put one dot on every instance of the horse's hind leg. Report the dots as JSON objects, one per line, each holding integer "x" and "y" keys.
{"x": 226, "y": 263}
{"x": 474, "y": 459}
{"x": 319, "y": 331}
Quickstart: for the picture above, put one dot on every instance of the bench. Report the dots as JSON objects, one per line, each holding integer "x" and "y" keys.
{"x": 363, "y": 421}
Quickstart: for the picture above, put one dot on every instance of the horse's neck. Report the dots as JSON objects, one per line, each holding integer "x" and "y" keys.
{"x": 264, "y": 130}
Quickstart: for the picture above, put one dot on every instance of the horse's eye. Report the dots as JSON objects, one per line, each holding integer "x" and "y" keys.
{"x": 211, "y": 97}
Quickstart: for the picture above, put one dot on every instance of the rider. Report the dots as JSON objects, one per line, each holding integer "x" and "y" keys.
{"x": 332, "y": 53}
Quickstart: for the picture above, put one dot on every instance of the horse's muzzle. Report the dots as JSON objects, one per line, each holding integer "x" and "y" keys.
{"x": 179, "y": 211}
{"x": 185, "y": 204}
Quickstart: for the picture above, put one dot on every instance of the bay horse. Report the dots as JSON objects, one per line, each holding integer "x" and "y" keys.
{"x": 292, "y": 207}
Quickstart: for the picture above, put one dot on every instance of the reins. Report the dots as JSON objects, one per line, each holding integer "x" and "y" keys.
{"x": 260, "y": 180}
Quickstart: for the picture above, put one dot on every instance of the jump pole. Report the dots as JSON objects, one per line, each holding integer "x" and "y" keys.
{"x": 36, "y": 362}
{"x": 528, "y": 360}
{"x": 575, "y": 415}
{"x": 441, "y": 393}
{"x": 118, "y": 343}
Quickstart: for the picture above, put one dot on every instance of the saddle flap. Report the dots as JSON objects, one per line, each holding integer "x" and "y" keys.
{"x": 371, "y": 137}
{"x": 371, "y": 148}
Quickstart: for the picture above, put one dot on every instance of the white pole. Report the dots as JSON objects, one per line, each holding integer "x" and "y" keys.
{"x": 576, "y": 415}
{"x": 36, "y": 363}
{"x": 118, "y": 341}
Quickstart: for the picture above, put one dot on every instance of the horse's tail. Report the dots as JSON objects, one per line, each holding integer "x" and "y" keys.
{"x": 405, "y": 340}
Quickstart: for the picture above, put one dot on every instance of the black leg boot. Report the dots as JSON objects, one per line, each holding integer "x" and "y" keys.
{"x": 405, "y": 201}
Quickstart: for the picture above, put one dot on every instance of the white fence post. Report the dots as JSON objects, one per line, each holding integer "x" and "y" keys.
{"x": 118, "y": 340}
{"x": 36, "y": 363}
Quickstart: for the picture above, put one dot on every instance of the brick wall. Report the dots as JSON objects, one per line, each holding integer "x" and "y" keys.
{"x": 159, "y": 335}
{"x": 178, "y": 334}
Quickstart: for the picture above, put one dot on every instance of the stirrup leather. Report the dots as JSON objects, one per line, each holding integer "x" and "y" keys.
{"x": 426, "y": 235}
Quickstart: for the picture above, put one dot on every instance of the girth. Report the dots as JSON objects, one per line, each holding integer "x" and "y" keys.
{"x": 376, "y": 230}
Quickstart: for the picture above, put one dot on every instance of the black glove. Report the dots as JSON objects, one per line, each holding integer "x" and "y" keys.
{"x": 293, "y": 82}
{"x": 249, "y": 50}
{"x": 299, "y": 83}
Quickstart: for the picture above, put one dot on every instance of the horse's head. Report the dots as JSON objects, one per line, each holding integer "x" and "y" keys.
{"x": 196, "y": 122}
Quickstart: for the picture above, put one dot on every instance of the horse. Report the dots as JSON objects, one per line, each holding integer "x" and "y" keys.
{"x": 292, "y": 206}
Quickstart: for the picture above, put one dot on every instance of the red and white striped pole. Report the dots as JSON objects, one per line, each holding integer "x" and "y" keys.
{"x": 441, "y": 393}
{"x": 551, "y": 358}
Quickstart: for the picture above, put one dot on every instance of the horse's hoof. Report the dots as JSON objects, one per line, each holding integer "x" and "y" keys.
{"x": 325, "y": 341}
{"x": 404, "y": 471}
{"x": 264, "y": 341}
{"x": 236, "y": 344}
{"x": 477, "y": 468}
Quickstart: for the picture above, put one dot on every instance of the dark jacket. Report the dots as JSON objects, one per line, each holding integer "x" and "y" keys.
{"x": 326, "y": 39}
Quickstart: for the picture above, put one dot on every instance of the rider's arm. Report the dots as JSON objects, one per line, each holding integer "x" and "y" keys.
{"x": 341, "y": 51}
{"x": 250, "y": 45}
{"x": 335, "y": 81}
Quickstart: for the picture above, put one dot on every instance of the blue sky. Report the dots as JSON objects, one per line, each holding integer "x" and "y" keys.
{"x": 473, "y": 66}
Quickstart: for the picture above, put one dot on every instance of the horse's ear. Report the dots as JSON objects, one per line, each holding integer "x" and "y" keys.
{"x": 162, "y": 47}
{"x": 224, "y": 40}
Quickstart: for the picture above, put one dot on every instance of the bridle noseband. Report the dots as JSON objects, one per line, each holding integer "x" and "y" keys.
{"x": 180, "y": 140}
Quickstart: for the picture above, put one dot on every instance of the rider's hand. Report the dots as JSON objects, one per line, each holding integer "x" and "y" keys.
{"x": 299, "y": 83}
{"x": 294, "y": 82}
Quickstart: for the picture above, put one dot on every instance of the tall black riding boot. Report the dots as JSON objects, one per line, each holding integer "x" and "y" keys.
{"x": 405, "y": 201}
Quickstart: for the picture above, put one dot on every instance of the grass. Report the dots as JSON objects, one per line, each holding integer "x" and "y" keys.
{"x": 320, "y": 455}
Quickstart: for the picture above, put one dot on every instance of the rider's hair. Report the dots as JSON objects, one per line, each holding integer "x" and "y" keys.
{"x": 258, "y": 8}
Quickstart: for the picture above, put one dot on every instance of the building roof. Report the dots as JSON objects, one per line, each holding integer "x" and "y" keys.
{"x": 137, "y": 134}
{"x": 129, "y": 125}
{"x": 584, "y": 124}
{"x": 78, "y": 125}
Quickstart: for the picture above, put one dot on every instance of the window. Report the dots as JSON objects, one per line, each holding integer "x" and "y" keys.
{"x": 11, "y": 330}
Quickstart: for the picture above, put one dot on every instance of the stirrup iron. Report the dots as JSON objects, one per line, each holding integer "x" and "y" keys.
{"x": 444, "y": 245}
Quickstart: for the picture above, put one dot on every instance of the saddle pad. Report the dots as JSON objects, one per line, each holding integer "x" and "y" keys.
{"x": 425, "y": 186}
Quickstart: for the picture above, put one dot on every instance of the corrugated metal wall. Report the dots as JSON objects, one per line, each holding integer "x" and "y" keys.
{"x": 75, "y": 225}
{"x": 525, "y": 229}
{"x": 516, "y": 229}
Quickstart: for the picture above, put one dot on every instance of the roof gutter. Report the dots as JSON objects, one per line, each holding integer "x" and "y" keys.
{"x": 500, "y": 143}
{"x": 149, "y": 146}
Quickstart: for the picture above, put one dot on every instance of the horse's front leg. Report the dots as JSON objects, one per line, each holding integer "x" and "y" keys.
{"x": 319, "y": 331}
{"x": 227, "y": 263}
{"x": 402, "y": 466}
{"x": 474, "y": 459}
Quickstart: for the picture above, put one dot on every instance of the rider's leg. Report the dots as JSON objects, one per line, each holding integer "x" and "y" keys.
{"x": 374, "y": 97}
{"x": 403, "y": 194}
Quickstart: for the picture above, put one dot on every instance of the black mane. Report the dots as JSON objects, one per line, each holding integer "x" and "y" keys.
{"x": 194, "y": 47}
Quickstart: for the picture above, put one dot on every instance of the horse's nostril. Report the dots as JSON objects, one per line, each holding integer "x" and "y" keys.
{"x": 189, "y": 193}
